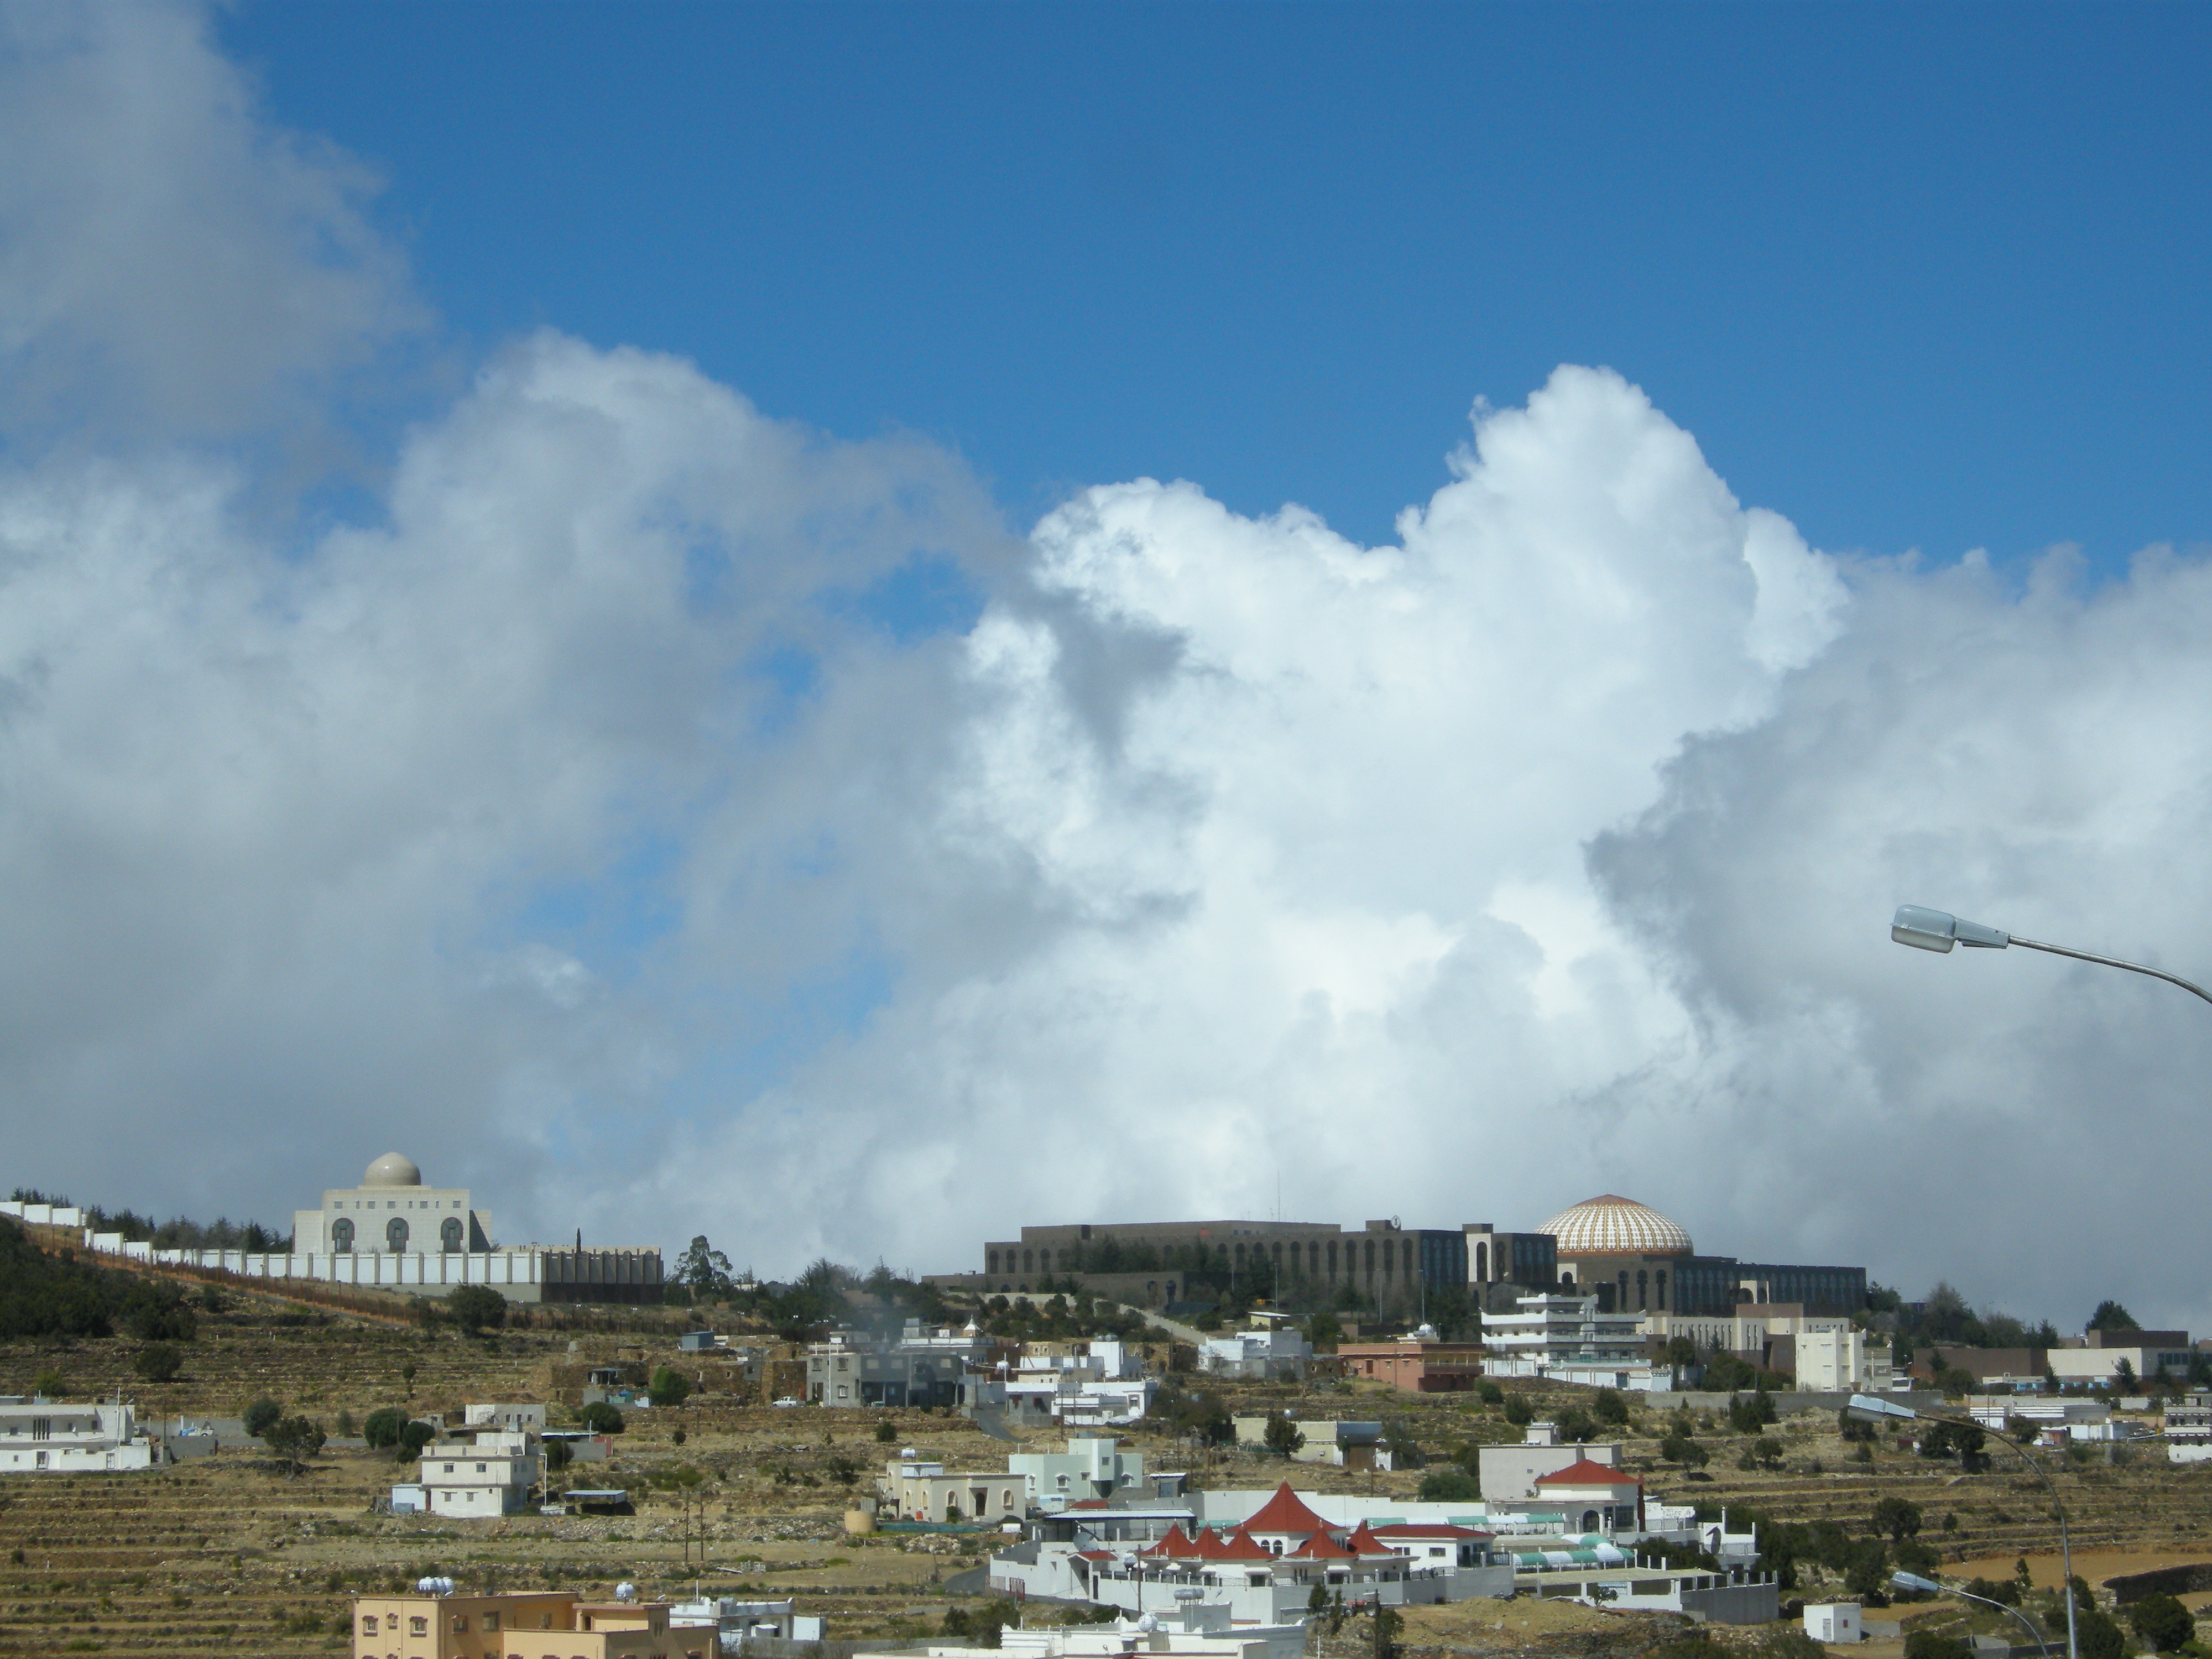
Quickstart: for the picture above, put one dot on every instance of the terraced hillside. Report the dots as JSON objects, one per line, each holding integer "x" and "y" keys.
{"x": 228, "y": 1556}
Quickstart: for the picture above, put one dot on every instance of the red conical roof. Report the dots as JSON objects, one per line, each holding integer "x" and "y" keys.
{"x": 1242, "y": 1547}
{"x": 1175, "y": 1542}
{"x": 1365, "y": 1542}
{"x": 1285, "y": 1513}
{"x": 1321, "y": 1547}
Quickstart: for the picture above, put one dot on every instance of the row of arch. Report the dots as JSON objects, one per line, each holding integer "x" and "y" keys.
{"x": 396, "y": 1235}
{"x": 1315, "y": 1259}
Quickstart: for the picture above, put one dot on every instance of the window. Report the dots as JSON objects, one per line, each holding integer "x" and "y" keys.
{"x": 395, "y": 1234}
{"x": 341, "y": 1235}
{"x": 460, "y": 1623}
{"x": 391, "y": 1622}
{"x": 449, "y": 1233}
{"x": 418, "y": 1626}
{"x": 491, "y": 1621}
{"x": 368, "y": 1624}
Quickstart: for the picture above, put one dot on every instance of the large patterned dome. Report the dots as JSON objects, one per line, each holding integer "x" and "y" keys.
{"x": 1609, "y": 1224}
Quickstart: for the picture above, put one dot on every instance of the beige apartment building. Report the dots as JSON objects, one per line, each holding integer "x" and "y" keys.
{"x": 543, "y": 1625}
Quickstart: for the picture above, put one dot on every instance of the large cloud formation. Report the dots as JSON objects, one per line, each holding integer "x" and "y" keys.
{"x": 668, "y": 820}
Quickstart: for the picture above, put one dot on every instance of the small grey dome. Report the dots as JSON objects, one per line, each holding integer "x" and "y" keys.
{"x": 392, "y": 1170}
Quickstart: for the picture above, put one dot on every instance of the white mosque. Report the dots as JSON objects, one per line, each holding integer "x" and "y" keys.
{"x": 394, "y": 1232}
{"x": 392, "y": 1210}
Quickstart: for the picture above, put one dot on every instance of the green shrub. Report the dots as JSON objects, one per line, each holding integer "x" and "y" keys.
{"x": 477, "y": 1308}
{"x": 668, "y": 1387}
{"x": 261, "y": 1416}
{"x": 383, "y": 1427}
{"x": 158, "y": 1362}
{"x": 1450, "y": 1484}
{"x": 600, "y": 1417}
{"x": 2162, "y": 1622}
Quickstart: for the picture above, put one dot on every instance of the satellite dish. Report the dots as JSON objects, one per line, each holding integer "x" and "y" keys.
{"x": 625, "y": 1591}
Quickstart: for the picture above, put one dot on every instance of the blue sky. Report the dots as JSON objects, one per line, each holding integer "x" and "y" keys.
{"x": 1918, "y": 276}
{"x": 631, "y": 662}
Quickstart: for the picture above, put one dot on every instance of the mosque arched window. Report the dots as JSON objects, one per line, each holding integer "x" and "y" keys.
{"x": 395, "y": 1234}
{"x": 1643, "y": 1289}
{"x": 449, "y": 1233}
{"x": 341, "y": 1235}
{"x": 1659, "y": 1290}
{"x": 1482, "y": 1264}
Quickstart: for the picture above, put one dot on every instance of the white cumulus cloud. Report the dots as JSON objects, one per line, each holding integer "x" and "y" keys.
{"x": 596, "y": 821}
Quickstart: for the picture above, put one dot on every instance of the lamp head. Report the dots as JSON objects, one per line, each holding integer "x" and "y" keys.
{"x": 1913, "y": 1581}
{"x": 1939, "y": 930}
{"x": 1873, "y": 1408}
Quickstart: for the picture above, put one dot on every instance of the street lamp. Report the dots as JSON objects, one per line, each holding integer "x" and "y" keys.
{"x": 1913, "y": 1581}
{"x": 1872, "y": 1409}
{"x": 1939, "y": 930}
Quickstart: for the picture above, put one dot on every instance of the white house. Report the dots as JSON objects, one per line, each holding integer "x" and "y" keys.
{"x": 1554, "y": 1334}
{"x": 1833, "y": 1361}
{"x": 921, "y": 1489}
{"x": 1279, "y": 1354}
{"x": 1509, "y": 1472}
{"x": 527, "y": 1417}
{"x": 1838, "y": 1622}
{"x": 1092, "y": 1466}
{"x": 1338, "y": 1442}
{"x": 490, "y": 1475}
{"x": 41, "y": 1436}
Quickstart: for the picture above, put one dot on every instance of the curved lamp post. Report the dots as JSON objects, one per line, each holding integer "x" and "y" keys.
{"x": 1939, "y": 930}
{"x": 1873, "y": 1408}
{"x": 1913, "y": 1581}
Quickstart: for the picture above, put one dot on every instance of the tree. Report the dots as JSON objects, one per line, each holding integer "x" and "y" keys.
{"x": 2162, "y": 1621}
{"x": 886, "y": 1431}
{"x": 293, "y": 1440}
{"x": 1282, "y": 1437}
{"x": 1680, "y": 1448}
{"x": 2112, "y": 1316}
{"x": 1518, "y": 1411}
{"x": 2124, "y": 1376}
{"x": 1916, "y": 1556}
{"x": 1866, "y": 1573}
{"x": 1489, "y": 1393}
{"x": 559, "y": 1454}
{"x": 1896, "y": 1517}
{"x": 477, "y": 1308}
{"x": 600, "y": 1417}
{"x": 703, "y": 1270}
{"x": 1450, "y": 1483}
{"x": 407, "y": 1376}
{"x": 159, "y": 1361}
{"x": 382, "y": 1427}
{"x": 1405, "y": 1450}
{"x": 413, "y": 1436}
{"x": 261, "y": 1416}
{"x": 668, "y": 1387}
{"x": 1681, "y": 1353}
{"x": 1324, "y": 1330}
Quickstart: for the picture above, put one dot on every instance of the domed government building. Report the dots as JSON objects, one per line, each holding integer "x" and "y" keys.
{"x": 1635, "y": 1259}
{"x": 1628, "y": 1255}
